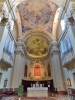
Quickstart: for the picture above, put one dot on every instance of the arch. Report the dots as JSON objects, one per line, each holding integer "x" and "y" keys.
{"x": 19, "y": 24}
{"x": 56, "y": 24}
{"x": 42, "y": 32}
{"x": 58, "y": 2}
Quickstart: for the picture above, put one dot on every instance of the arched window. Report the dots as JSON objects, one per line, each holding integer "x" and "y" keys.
{"x": 63, "y": 25}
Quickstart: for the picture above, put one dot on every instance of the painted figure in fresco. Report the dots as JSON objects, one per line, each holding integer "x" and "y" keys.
{"x": 37, "y": 18}
{"x": 32, "y": 17}
{"x": 37, "y": 46}
{"x": 49, "y": 29}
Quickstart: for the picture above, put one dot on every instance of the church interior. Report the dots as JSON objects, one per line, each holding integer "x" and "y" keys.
{"x": 37, "y": 49}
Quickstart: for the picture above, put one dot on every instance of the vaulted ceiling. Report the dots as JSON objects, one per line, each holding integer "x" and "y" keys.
{"x": 37, "y": 16}
{"x": 37, "y": 13}
{"x": 58, "y": 2}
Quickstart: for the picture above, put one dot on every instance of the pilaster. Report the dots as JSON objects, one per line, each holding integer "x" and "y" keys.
{"x": 18, "y": 65}
{"x": 56, "y": 67}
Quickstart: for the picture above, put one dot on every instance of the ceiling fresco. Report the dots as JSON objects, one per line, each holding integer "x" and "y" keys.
{"x": 36, "y": 13}
{"x": 37, "y": 46}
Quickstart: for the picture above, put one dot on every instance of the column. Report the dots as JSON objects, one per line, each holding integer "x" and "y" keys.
{"x": 19, "y": 63}
{"x": 56, "y": 67}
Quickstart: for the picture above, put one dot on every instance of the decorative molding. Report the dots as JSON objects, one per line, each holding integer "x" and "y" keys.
{"x": 20, "y": 48}
{"x": 19, "y": 52}
{"x": 54, "y": 48}
{"x": 11, "y": 9}
{"x": 4, "y": 15}
{"x": 68, "y": 60}
{"x": 63, "y": 8}
{"x": 4, "y": 64}
{"x": 71, "y": 12}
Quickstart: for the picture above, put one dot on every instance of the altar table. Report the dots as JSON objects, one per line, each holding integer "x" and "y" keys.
{"x": 37, "y": 92}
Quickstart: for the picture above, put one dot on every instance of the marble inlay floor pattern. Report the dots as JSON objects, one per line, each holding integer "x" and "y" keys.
{"x": 26, "y": 98}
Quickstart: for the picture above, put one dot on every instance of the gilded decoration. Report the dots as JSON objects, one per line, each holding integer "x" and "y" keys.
{"x": 37, "y": 46}
{"x": 35, "y": 13}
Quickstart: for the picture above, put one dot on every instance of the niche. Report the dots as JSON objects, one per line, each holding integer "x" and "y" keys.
{"x": 25, "y": 70}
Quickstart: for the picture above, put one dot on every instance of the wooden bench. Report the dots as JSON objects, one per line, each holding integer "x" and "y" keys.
{"x": 8, "y": 91}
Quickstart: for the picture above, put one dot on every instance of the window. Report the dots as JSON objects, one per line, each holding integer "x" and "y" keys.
{"x": 65, "y": 45}
{"x": 62, "y": 25}
{"x": 9, "y": 47}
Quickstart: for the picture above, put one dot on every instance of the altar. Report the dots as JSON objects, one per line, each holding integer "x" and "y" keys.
{"x": 37, "y": 92}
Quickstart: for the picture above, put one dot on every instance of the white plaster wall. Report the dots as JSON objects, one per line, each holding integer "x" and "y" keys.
{"x": 6, "y": 74}
{"x": 69, "y": 74}
{"x": 16, "y": 72}
{"x": 3, "y": 41}
{"x": 1, "y": 31}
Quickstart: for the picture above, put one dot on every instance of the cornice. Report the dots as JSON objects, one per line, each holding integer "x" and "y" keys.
{"x": 54, "y": 48}
{"x": 4, "y": 64}
{"x": 63, "y": 7}
{"x": 20, "y": 48}
{"x": 11, "y": 9}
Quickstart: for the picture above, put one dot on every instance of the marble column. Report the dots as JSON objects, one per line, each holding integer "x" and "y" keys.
{"x": 56, "y": 67}
{"x": 19, "y": 63}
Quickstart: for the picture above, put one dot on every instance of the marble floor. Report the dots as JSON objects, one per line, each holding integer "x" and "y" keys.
{"x": 57, "y": 97}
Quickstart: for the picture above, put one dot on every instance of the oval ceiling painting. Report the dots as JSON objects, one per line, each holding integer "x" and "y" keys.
{"x": 37, "y": 46}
